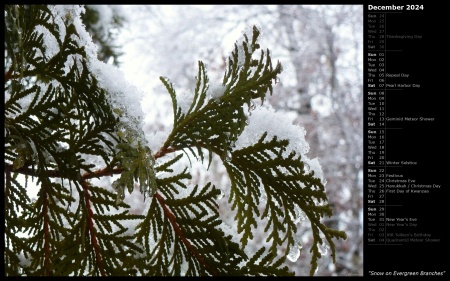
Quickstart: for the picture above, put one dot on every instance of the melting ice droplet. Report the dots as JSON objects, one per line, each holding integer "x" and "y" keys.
{"x": 252, "y": 106}
{"x": 294, "y": 253}
{"x": 307, "y": 168}
{"x": 299, "y": 215}
{"x": 220, "y": 196}
{"x": 228, "y": 157}
{"x": 323, "y": 249}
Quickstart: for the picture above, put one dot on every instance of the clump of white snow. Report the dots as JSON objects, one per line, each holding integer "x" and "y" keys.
{"x": 265, "y": 119}
{"x": 216, "y": 91}
{"x": 247, "y": 32}
{"x": 72, "y": 13}
{"x": 121, "y": 93}
{"x": 49, "y": 41}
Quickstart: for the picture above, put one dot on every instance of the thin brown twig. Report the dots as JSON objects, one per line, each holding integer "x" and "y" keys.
{"x": 163, "y": 151}
{"x": 28, "y": 171}
{"x": 47, "y": 264}
{"x": 102, "y": 173}
{"x": 90, "y": 216}
{"x": 8, "y": 75}
{"x": 7, "y": 185}
{"x": 178, "y": 231}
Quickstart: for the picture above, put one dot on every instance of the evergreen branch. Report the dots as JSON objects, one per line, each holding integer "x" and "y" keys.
{"x": 329, "y": 233}
{"x": 177, "y": 114}
{"x": 178, "y": 231}
{"x": 216, "y": 123}
{"x": 200, "y": 89}
{"x": 257, "y": 266}
{"x": 30, "y": 171}
{"x": 193, "y": 223}
{"x": 198, "y": 216}
{"x": 16, "y": 199}
{"x": 54, "y": 99}
{"x": 91, "y": 228}
{"x": 138, "y": 163}
{"x": 286, "y": 184}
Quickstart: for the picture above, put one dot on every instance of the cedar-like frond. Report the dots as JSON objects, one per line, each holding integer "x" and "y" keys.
{"x": 260, "y": 170}
{"x": 59, "y": 125}
{"x": 215, "y": 124}
{"x": 287, "y": 185}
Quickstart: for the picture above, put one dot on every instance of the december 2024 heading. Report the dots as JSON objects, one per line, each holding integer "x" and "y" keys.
{"x": 395, "y": 8}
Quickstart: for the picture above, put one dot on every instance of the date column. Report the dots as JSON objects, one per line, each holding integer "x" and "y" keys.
{"x": 375, "y": 124}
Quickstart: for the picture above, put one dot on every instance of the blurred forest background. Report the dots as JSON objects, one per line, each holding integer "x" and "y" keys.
{"x": 320, "y": 48}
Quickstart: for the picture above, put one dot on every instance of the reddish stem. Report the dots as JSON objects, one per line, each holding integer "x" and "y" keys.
{"x": 26, "y": 170}
{"x": 163, "y": 151}
{"x": 47, "y": 264}
{"x": 8, "y": 75}
{"x": 7, "y": 185}
{"x": 178, "y": 231}
{"x": 102, "y": 173}
{"x": 90, "y": 216}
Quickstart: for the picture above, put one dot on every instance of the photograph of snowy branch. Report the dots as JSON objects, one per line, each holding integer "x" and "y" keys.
{"x": 183, "y": 140}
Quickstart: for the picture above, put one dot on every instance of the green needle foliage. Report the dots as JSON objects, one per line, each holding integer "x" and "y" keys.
{"x": 66, "y": 130}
